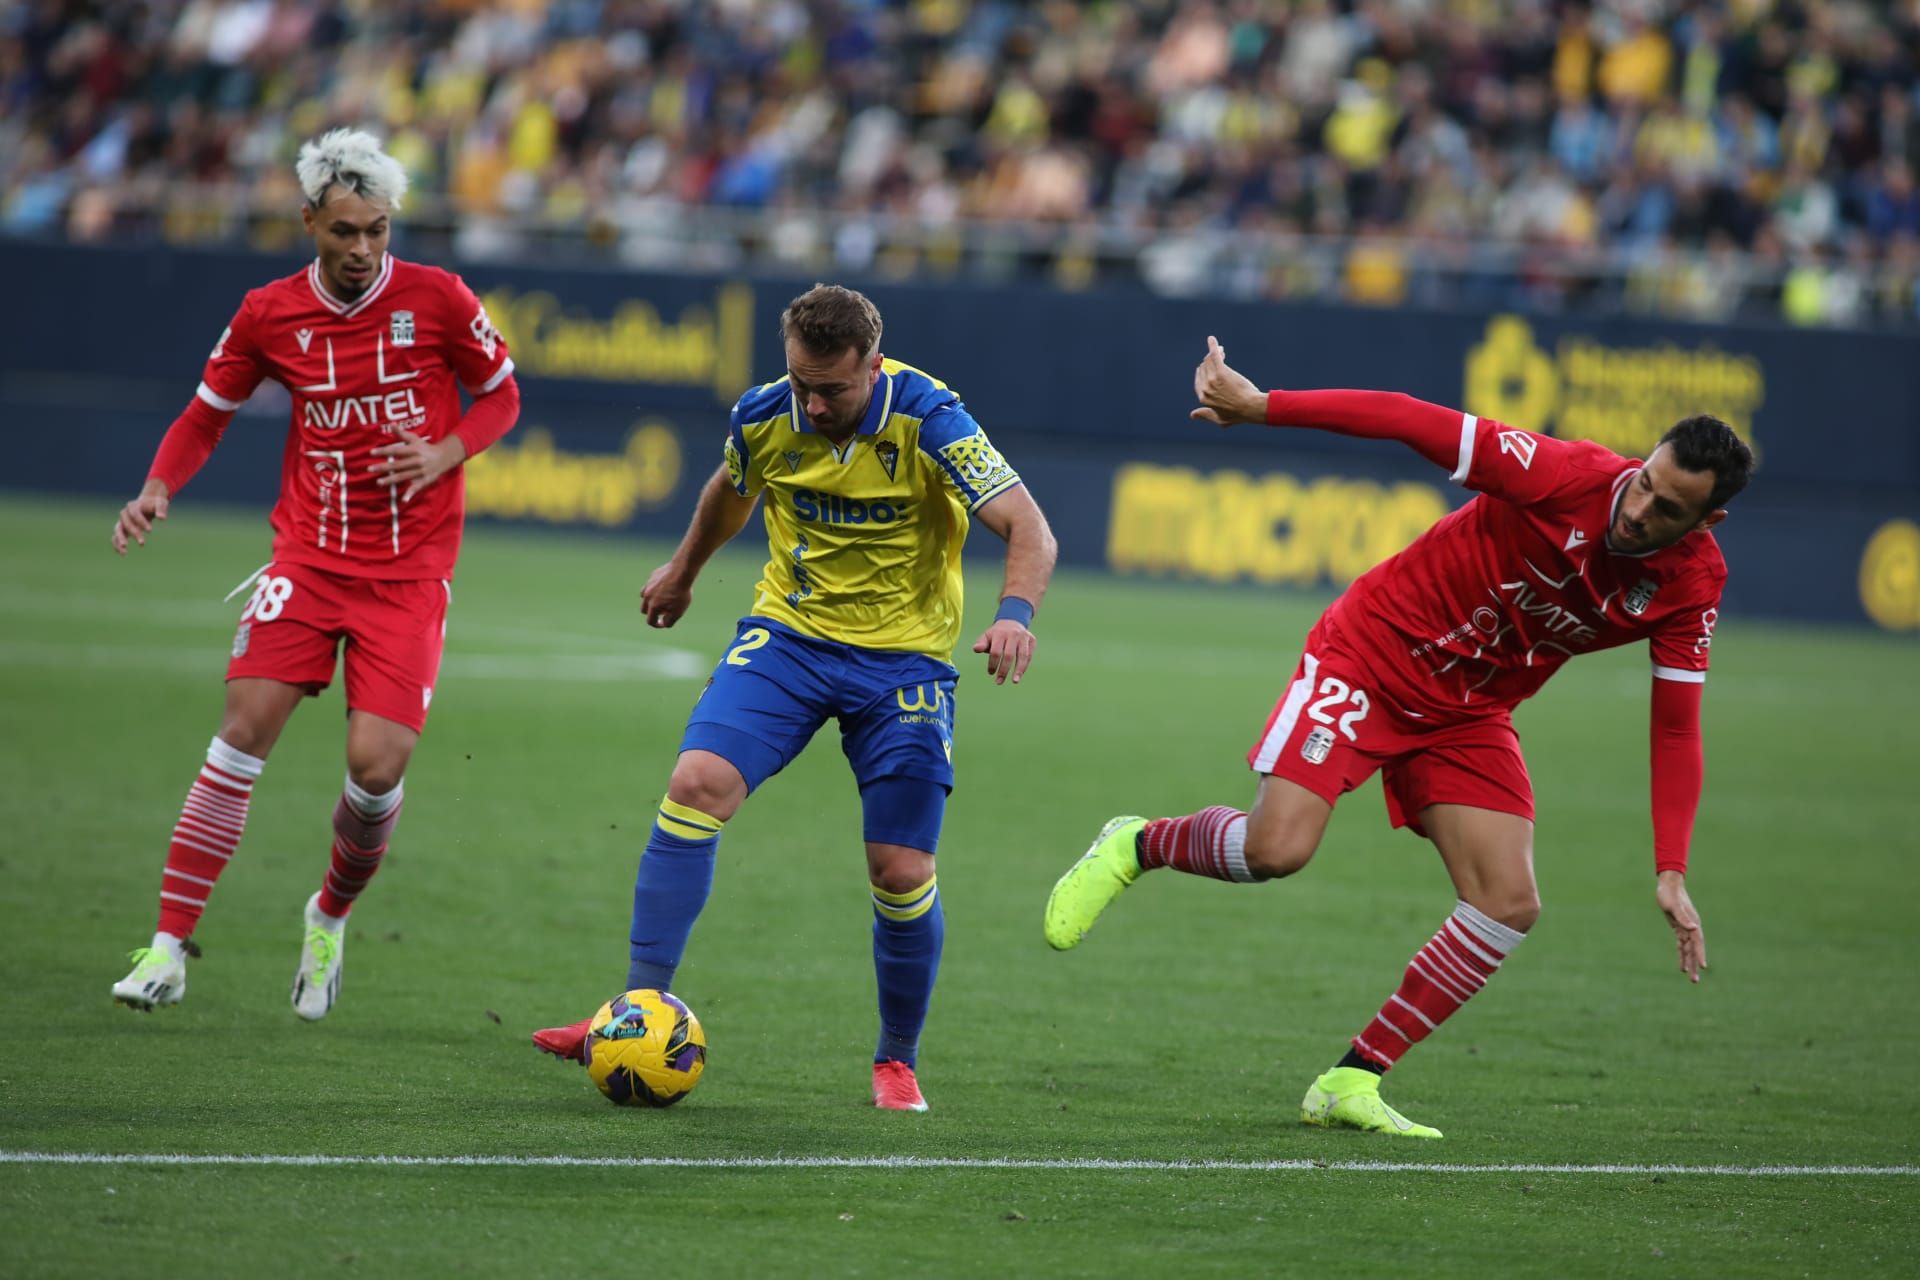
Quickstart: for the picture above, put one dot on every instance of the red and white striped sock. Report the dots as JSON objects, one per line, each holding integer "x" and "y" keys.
{"x": 362, "y": 825}
{"x": 1209, "y": 843}
{"x": 211, "y": 823}
{"x": 1443, "y": 975}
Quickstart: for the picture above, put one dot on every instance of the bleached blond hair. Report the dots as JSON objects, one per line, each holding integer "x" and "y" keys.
{"x": 353, "y": 159}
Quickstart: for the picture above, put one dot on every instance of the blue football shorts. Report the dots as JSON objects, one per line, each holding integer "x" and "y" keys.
{"x": 775, "y": 687}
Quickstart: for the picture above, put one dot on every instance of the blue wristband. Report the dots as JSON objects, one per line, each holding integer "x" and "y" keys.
{"x": 1020, "y": 611}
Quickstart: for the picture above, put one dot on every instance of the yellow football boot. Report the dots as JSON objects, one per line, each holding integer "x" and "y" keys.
{"x": 1107, "y": 867}
{"x": 1349, "y": 1098}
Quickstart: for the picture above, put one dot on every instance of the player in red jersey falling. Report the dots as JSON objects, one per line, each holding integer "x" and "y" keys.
{"x": 366, "y": 532}
{"x": 1415, "y": 670}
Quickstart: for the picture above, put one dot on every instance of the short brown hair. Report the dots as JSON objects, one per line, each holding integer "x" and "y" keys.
{"x": 828, "y": 318}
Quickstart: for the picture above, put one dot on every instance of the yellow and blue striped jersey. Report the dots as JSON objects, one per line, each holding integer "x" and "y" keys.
{"x": 864, "y": 540}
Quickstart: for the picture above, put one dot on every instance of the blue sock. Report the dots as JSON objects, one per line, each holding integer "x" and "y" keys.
{"x": 675, "y": 877}
{"x": 908, "y": 929}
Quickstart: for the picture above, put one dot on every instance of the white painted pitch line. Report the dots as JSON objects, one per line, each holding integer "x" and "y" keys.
{"x": 650, "y": 664}
{"x": 209, "y": 660}
{"x": 213, "y": 616}
{"x": 1091, "y": 1165}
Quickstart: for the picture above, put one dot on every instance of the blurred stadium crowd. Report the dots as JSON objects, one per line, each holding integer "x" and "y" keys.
{"x": 1748, "y": 157}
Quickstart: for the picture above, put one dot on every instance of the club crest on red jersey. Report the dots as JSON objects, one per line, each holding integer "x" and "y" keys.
{"x": 1640, "y": 597}
{"x": 1318, "y": 744}
{"x": 400, "y": 328}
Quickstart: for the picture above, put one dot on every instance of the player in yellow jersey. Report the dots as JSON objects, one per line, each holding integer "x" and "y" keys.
{"x": 869, "y": 472}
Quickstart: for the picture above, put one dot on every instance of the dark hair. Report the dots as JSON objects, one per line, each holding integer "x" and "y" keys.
{"x": 827, "y": 319}
{"x": 1704, "y": 443}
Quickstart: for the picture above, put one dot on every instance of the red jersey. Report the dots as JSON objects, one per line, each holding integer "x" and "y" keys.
{"x": 1482, "y": 608}
{"x": 360, "y": 372}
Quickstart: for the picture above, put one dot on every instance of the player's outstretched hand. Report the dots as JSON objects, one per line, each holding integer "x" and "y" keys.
{"x": 1009, "y": 650}
{"x": 1226, "y": 396}
{"x": 1692, "y": 940}
{"x": 667, "y": 596}
{"x": 135, "y": 520}
{"x": 416, "y": 462}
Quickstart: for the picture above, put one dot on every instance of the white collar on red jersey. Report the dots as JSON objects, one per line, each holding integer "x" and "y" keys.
{"x": 318, "y": 284}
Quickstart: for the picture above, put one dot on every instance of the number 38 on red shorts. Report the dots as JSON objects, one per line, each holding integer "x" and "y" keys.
{"x": 298, "y": 616}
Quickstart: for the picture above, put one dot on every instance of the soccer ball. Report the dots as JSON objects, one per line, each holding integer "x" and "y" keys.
{"x": 646, "y": 1049}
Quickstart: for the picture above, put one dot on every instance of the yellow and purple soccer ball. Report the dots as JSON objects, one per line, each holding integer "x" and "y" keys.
{"x": 646, "y": 1049}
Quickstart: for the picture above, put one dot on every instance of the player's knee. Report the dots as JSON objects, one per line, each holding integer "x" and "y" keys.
{"x": 1517, "y": 908}
{"x": 901, "y": 870}
{"x": 250, "y": 728}
{"x": 242, "y": 734}
{"x": 708, "y": 784}
{"x": 1524, "y": 913}
{"x": 376, "y": 777}
{"x": 1273, "y": 854}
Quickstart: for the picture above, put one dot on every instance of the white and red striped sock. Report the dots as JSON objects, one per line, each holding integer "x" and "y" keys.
{"x": 1443, "y": 975}
{"x": 362, "y": 825}
{"x": 1209, "y": 843}
{"x": 211, "y": 823}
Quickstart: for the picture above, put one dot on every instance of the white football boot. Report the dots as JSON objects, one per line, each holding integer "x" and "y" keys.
{"x": 159, "y": 975}
{"x": 317, "y": 984}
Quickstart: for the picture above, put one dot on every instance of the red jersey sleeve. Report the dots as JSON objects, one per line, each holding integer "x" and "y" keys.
{"x": 1523, "y": 468}
{"x": 1678, "y": 767}
{"x": 235, "y": 366}
{"x": 233, "y": 370}
{"x": 474, "y": 347}
{"x": 1487, "y": 456}
{"x": 1680, "y": 648}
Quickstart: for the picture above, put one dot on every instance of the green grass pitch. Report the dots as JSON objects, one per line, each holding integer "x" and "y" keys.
{"x": 1185, "y": 1029}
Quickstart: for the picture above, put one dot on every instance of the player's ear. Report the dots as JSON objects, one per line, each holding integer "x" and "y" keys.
{"x": 1712, "y": 518}
{"x": 306, "y": 216}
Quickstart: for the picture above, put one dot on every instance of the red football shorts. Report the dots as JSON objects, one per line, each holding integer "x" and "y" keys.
{"x": 297, "y": 617}
{"x": 1329, "y": 733}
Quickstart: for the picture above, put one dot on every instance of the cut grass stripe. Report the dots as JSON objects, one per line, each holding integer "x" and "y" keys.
{"x": 938, "y": 1162}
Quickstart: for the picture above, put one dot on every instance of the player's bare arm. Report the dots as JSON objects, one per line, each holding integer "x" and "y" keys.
{"x": 136, "y": 518}
{"x": 720, "y": 514}
{"x": 1227, "y": 397}
{"x": 1031, "y": 552}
